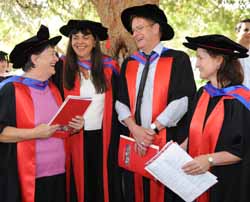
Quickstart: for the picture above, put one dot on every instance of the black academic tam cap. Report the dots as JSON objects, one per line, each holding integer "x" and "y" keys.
{"x": 3, "y": 56}
{"x": 95, "y": 27}
{"x": 20, "y": 54}
{"x": 148, "y": 11}
{"x": 217, "y": 43}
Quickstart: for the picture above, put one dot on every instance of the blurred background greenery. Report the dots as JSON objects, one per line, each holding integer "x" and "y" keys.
{"x": 20, "y": 19}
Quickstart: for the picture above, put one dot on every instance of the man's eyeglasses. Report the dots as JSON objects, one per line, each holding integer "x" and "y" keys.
{"x": 140, "y": 28}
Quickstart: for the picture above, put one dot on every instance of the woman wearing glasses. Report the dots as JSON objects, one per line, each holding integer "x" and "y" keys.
{"x": 33, "y": 160}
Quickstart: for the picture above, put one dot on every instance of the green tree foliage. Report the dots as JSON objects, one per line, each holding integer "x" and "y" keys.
{"x": 20, "y": 18}
{"x": 198, "y": 17}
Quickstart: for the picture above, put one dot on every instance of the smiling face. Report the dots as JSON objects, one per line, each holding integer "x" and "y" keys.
{"x": 45, "y": 62}
{"x": 208, "y": 65}
{"x": 244, "y": 34}
{"x": 146, "y": 33}
{"x": 83, "y": 44}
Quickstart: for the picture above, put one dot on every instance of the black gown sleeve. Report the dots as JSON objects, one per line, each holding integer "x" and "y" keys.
{"x": 234, "y": 128}
{"x": 9, "y": 183}
{"x": 7, "y": 106}
{"x": 122, "y": 94}
{"x": 233, "y": 136}
{"x": 181, "y": 84}
{"x": 182, "y": 81}
{"x": 245, "y": 169}
{"x": 114, "y": 171}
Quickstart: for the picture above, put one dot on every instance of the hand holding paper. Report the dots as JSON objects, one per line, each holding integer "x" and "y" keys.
{"x": 166, "y": 167}
{"x": 198, "y": 166}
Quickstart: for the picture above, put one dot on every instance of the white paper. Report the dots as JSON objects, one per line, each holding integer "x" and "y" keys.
{"x": 166, "y": 167}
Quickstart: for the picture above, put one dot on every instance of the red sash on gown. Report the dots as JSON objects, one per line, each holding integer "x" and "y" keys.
{"x": 160, "y": 97}
{"x": 76, "y": 141}
{"x": 26, "y": 150}
{"x": 203, "y": 139}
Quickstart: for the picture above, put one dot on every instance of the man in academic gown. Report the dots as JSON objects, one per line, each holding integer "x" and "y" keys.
{"x": 151, "y": 118}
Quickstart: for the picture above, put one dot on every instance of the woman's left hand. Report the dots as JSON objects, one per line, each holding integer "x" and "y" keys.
{"x": 76, "y": 124}
{"x": 197, "y": 166}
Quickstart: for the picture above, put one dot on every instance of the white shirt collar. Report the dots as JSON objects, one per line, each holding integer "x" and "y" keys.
{"x": 158, "y": 48}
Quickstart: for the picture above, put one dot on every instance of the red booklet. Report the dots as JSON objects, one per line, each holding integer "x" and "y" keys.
{"x": 71, "y": 107}
{"x": 130, "y": 160}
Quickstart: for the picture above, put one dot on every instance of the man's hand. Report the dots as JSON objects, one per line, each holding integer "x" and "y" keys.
{"x": 143, "y": 136}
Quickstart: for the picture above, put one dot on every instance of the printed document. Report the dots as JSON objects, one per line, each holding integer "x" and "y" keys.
{"x": 166, "y": 167}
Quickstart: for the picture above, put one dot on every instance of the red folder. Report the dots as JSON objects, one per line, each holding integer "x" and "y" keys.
{"x": 71, "y": 107}
{"x": 130, "y": 160}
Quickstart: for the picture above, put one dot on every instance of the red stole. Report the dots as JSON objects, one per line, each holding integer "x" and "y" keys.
{"x": 76, "y": 141}
{"x": 26, "y": 158}
{"x": 160, "y": 97}
{"x": 203, "y": 140}
{"x": 76, "y": 149}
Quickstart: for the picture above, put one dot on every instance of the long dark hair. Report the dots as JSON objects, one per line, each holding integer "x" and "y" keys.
{"x": 230, "y": 71}
{"x": 72, "y": 68}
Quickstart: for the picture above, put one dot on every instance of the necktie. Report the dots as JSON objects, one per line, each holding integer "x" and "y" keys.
{"x": 141, "y": 89}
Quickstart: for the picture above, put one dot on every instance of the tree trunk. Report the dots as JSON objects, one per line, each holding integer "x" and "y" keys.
{"x": 120, "y": 41}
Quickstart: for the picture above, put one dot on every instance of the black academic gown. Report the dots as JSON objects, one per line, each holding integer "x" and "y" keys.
{"x": 10, "y": 179}
{"x": 114, "y": 176}
{"x": 233, "y": 138}
{"x": 181, "y": 84}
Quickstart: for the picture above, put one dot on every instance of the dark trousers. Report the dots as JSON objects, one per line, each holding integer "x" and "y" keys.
{"x": 51, "y": 189}
{"x": 93, "y": 166}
